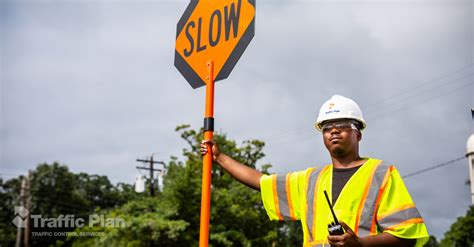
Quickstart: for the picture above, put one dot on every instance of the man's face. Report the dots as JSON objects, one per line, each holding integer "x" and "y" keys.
{"x": 341, "y": 137}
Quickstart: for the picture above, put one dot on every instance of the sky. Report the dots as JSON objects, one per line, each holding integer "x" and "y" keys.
{"x": 92, "y": 84}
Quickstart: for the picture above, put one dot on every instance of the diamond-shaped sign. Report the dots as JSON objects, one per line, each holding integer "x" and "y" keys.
{"x": 22, "y": 211}
{"x": 217, "y": 30}
{"x": 19, "y": 222}
{"x": 20, "y": 216}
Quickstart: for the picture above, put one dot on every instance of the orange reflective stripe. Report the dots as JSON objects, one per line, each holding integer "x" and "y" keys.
{"x": 373, "y": 228}
{"x": 315, "y": 242}
{"x": 364, "y": 197}
{"x": 405, "y": 223}
{"x": 318, "y": 181}
{"x": 275, "y": 197}
{"x": 288, "y": 196}
{"x": 409, "y": 205}
{"x": 314, "y": 245}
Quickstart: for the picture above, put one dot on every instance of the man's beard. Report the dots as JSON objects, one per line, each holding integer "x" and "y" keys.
{"x": 338, "y": 152}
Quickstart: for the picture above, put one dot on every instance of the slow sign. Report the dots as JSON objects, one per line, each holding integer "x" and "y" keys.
{"x": 213, "y": 30}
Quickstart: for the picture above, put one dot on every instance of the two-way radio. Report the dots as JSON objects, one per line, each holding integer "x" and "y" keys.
{"x": 334, "y": 228}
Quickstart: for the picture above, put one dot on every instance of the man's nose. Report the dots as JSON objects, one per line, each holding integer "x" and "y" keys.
{"x": 334, "y": 130}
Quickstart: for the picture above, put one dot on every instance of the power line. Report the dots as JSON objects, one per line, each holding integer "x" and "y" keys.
{"x": 434, "y": 167}
{"x": 405, "y": 102}
{"x": 377, "y": 113}
{"x": 454, "y": 81}
{"x": 431, "y": 82}
{"x": 425, "y": 100}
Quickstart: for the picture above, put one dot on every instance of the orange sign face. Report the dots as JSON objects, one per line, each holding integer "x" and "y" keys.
{"x": 217, "y": 30}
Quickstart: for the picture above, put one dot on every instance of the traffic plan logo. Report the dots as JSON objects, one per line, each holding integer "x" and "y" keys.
{"x": 20, "y": 217}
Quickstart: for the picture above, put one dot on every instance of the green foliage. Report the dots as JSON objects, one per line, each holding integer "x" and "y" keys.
{"x": 8, "y": 197}
{"x": 461, "y": 232}
{"x": 432, "y": 242}
{"x": 145, "y": 223}
{"x": 171, "y": 218}
{"x": 56, "y": 191}
{"x": 290, "y": 234}
{"x": 237, "y": 215}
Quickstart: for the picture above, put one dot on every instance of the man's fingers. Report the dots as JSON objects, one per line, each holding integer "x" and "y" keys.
{"x": 346, "y": 227}
{"x": 203, "y": 148}
{"x": 204, "y": 144}
{"x": 348, "y": 238}
{"x": 331, "y": 242}
{"x": 336, "y": 238}
{"x": 210, "y": 142}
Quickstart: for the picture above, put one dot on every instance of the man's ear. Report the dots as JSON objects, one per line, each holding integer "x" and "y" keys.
{"x": 359, "y": 135}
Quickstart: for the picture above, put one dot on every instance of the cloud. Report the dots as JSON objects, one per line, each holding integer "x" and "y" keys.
{"x": 92, "y": 84}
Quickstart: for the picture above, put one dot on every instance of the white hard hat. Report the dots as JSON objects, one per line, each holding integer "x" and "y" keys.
{"x": 339, "y": 107}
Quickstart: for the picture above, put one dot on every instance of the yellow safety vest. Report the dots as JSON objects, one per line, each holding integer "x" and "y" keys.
{"x": 374, "y": 200}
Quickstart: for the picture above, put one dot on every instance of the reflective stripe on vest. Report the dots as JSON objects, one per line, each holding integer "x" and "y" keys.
{"x": 284, "y": 197}
{"x": 311, "y": 198}
{"x": 365, "y": 199}
{"x": 366, "y": 215}
{"x": 399, "y": 217}
{"x": 361, "y": 204}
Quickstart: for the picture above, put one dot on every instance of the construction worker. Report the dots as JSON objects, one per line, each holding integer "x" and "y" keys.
{"x": 368, "y": 195}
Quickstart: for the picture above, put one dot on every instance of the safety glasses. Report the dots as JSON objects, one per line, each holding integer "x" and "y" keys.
{"x": 341, "y": 126}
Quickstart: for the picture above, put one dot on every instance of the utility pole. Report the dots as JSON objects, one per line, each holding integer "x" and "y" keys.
{"x": 151, "y": 169}
{"x": 28, "y": 207}
{"x": 470, "y": 157}
{"x": 18, "y": 229}
{"x": 25, "y": 204}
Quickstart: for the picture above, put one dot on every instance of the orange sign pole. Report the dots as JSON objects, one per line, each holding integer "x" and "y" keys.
{"x": 207, "y": 159}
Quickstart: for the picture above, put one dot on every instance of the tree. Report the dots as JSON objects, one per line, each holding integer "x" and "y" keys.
{"x": 461, "y": 232}
{"x": 7, "y": 199}
{"x": 146, "y": 222}
{"x": 172, "y": 217}
{"x": 237, "y": 214}
{"x": 56, "y": 191}
{"x": 432, "y": 242}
